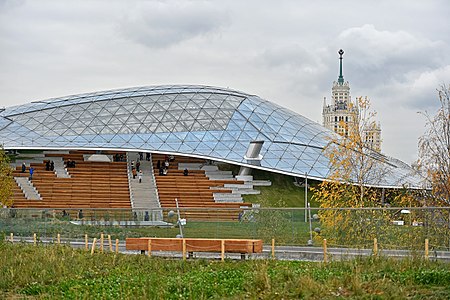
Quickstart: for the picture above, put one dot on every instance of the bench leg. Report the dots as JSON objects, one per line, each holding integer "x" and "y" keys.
{"x": 243, "y": 256}
{"x": 142, "y": 251}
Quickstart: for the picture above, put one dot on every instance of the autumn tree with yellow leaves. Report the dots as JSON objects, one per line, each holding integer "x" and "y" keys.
{"x": 434, "y": 150}
{"x": 353, "y": 169}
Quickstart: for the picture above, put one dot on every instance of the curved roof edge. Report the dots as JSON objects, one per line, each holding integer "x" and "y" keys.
{"x": 187, "y": 120}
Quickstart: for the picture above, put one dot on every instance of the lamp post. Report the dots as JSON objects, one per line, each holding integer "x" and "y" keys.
{"x": 306, "y": 195}
{"x": 179, "y": 219}
{"x": 310, "y": 242}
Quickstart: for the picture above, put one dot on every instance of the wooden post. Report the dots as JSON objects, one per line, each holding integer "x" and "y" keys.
{"x": 101, "y": 242}
{"x": 110, "y": 243}
{"x": 273, "y": 248}
{"x": 34, "y": 239}
{"x": 426, "y": 249}
{"x": 58, "y": 239}
{"x": 184, "y": 249}
{"x": 375, "y": 247}
{"x": 149, "y": 247}
{"x": 325, "y": 258}
{"x": 117, "y": 246}
{"x": 222, "y": 250}
{"x": 93, "y": 246}
{"x": 86, "y": 242}
{"x": 11, "y": 237}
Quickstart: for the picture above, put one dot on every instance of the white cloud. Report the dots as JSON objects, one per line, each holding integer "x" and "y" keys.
{"x": 384, "y": 56}
{"x": 159, "y": 24}
{"x": 284, "y": 51}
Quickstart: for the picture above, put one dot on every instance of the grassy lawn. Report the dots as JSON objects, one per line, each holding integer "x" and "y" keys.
{"x": 282, "y": 192}
{"x": 291, "y": 231}
{"x": 289, "y": 227}
{"x": 59, "y": 272}
{"x": 286, "y": 226}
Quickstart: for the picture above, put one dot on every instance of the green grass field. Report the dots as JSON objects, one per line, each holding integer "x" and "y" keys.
{"x": 292, "y": 231}
{"x": 60, "y": 272}
{"x": 282, "y": 192}
{"x": 288, "y": 227}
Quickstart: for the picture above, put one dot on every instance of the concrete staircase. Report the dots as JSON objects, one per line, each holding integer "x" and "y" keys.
{"x": 213, "y": 173}
{"x": 27, "y": 188}
{"x": 145, "y": 193}
{"x": 60, "y": 169}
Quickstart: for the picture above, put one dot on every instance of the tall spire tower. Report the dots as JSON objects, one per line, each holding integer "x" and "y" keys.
{"x": 342, "y": 111}
{"x": 341, "y": 115}
{"x": 341, "y": 77}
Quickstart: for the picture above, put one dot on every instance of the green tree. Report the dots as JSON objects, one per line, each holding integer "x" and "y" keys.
{"x": 6, "y": 181}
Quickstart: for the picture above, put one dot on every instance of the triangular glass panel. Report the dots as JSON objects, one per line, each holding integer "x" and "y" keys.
{"x": 277, "y": 147}
{"x": 241, "y": 146}
{"x": 172, "y": 138}
{"x": 129, "y": 107}
{"x": 146, "y": 106}
{"x": 230, "y": 136}
{"x": 192, "y": 145}
{"x": 196, "y": 103}
{"x": 213, "y": 125}
{"x": 184, "y": 147}
{"x": 192, "y": 137}
{"x": 119, "y": 139}
{"x": 185, "y": 125}
{"x": 200, "y": 96}
{"x": 198, "y": 126}
{"x": 209, "y": 137}
{"x": 180, "y": 126}
{"x": 250, "y": 127}
{"x": 88, "y": 131}
{"x": 233, "y": 126}
{"x": 204, "y": 148}
{"x": 274, "y": 121}
{"x": 247, "y": 106}
{"x": 181, "y": 135}
{"x": 285, "y": 165}
{"x": 149, "y": 118}
{"x": 133, "y": 120}
{"x": 271, "y": 162}
{"x": 173, "y": 146}
{"x": 154, "y": 139}
{"x": 244, "y": 136}
{"x": 221, "y": 146}
{"x": 112, "y": 109}
{"x": 199, "y": 135}
{"x": 174, "y": 106}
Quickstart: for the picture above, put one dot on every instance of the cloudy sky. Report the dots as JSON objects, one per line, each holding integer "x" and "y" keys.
{"x": 396, "y": 52}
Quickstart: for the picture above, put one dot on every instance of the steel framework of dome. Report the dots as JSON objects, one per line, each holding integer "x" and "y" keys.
{"x": 198, "y": 121}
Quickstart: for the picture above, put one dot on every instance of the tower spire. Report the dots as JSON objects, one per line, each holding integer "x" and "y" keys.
{"x": 340, "y": 78}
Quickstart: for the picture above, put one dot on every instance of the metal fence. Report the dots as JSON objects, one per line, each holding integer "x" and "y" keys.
{"x": 394, "y": 228}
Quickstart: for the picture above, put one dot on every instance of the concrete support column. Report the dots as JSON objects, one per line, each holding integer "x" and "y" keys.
{"x": 252, "y": 156}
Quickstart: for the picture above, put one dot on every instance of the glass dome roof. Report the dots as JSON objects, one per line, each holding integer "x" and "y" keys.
{"x": 200, "y": 121}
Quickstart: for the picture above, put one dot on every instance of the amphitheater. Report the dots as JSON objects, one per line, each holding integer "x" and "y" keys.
{"x": 197, "y": 128}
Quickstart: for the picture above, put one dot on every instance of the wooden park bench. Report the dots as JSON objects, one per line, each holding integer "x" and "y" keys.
{"x": 190, "y": 245}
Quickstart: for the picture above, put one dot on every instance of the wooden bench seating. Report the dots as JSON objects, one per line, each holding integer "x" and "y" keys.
{"x": 92, "y": 184}
{"x": 243, "y": 246}
{"x": 195, "y": 190}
